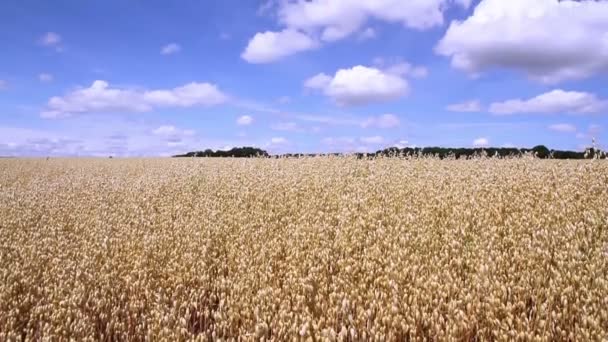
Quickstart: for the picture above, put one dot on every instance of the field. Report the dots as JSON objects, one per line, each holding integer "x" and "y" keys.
{"x": 315, "y": 249}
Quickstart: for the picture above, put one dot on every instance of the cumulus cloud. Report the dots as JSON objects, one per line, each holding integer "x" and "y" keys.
{"x": 372, "y": 140}
{"x": 465, "y": 107}
{"x": 100, "y": 97}
{"x": 269, "y": 46}
{"x": 556, "y": 101}
{"x": 563, "y": 128}
{"x": 44, "y": 77}
{"x": 319, "y": 81}
{"x": 244, "y": 120}
{"x": 102, "y": 135}
{"x": 334, "y": 141}
{"x": 406, "y": 69}
{"x": 402, "y": 144}
{"x": 307, "y": 23}
{"x": 169, "y": 130}
{"x": 338, "y": 19}
{"x": 549, "y": 40}
{"x": 278, "y": 141}
{"x": 170, "y": 49}
{"x": 348, "y": 144}
{"x": 368, "y": 33}
{"x": 50, "y": 39}
{"x": 359, "y": 85}
{"x": 330, "y": 120}
{"x": 285, "y": 126}
{"x": 382, "y": 121}
{"x": 481, "y": 142}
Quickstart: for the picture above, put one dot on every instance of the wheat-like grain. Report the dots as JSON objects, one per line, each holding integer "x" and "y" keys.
{"x": 329, "y": 248}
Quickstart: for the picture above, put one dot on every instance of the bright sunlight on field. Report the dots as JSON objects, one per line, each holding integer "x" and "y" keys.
{"x": 328, "y": 248}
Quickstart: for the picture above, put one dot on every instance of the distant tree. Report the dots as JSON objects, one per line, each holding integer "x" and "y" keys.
{"x": 541, "y": 151}
{"x": 237, "y": 152}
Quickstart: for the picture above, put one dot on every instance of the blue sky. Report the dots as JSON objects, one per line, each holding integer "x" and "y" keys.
{"x": 150, "y": 78}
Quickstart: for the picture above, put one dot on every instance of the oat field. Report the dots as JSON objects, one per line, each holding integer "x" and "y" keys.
{"x": 312, "y": 249}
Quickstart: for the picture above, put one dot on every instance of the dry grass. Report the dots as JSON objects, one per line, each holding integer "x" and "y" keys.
{"x": 309, "y": 249}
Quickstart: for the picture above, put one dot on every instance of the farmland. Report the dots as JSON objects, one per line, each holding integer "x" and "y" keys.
{"x": 325, "y": 248}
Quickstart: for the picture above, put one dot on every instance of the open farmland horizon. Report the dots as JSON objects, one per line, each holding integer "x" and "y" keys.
{"x": 323, "y": 248}
{"x": 304, "y": 170}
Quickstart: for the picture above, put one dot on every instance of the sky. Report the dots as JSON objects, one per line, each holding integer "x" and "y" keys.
{"x": 157, "y": 78}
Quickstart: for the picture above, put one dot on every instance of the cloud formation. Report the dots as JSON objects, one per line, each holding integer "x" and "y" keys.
{"x": 172, "y": 131}
{"x": 549, "y": 40}
{"x": 244, "y": 120}
{"x": 373, "y": 140}
{"x": 307, "y": 24}
{"x": 359, "y": 85}
{"x": 472, "y": 106}
{"x": 563, "y": 128}
{"x": 45, "y": 78}
{"x": 286, "y": 126}
{"x": 270, "y": 46}
{"x": 100, "y": 97}
{"x": 481, "y": 142}
{"x": 382, "y": 121}
{"x": 553, "y": 102}
{"x": 50, "y": 39}
{"x": 170, "y": 49}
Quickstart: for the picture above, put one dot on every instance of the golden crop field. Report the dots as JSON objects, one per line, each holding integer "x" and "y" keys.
{"x": 311, "y": 249}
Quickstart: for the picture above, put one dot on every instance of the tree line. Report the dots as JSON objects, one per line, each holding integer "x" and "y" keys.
{"x": 539, "y": 151}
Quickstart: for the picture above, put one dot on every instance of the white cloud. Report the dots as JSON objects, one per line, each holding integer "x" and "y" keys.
{"x": 170, "y": 130}
{"x": 465, "y": 107}
{"x": 341, "y": 141}
{"x": 556, "y": 101}
{"x": 270, "y": 46}
{"x": 337, "y": 19}
{"x": 103, "y": 135}
{"x": 266, "y": 7}
{"x": 563, "y": 128}
{"x": 285, "y": 126}
{"x": 244, "y": 120}
{"x": 359, "y": 85}
{"x": 382, "y": 121}
{"x": 278, "y": 141}
{"x": 368, "y": 33}
{"x": 330, "y": 120}
{"x": 549, "y": 40}
{"x": 100, "y": 97}
{"x": 406, "y": 69}
{"x": 44, "y": 77}
{"x": 402, "y": 144}
{"x": 319, "y": 81}
{"x": 481, "y": 142}
{"x": 372, "y": 140}
{"x": 165, "y": 130}
{"x": 170, "y": 49}
{"x": 321, "y": 20}
{"x": 50, "y": 39}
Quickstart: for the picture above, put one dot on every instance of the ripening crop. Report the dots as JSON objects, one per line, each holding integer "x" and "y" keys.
{"x": 310, "y": 249}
